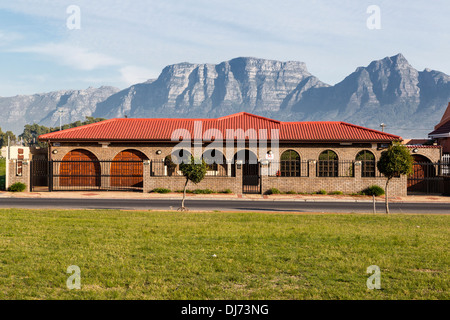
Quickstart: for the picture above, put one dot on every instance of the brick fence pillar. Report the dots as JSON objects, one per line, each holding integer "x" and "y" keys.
{"x": 239, "y": 177}
{"x": 15, "y": 176}
{"x": 264, "y": 175}
{"x": 147, "y": 184}
{"x": 312, "y": 166}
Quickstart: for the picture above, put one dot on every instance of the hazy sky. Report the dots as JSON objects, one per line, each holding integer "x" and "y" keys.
{"x": 125, "y": 42}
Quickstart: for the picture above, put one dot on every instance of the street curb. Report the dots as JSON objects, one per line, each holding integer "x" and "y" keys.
{"x": 233, "y": 199}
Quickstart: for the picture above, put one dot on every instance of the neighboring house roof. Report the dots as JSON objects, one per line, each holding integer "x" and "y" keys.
{"x": 442, "y": 129}
{"x": 441, "y": 132}
{"x": 445, "y": 117}
{"x": 135, "y": 129}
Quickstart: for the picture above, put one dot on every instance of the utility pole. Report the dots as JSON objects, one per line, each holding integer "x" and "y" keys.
{"x": 382, "y": 127}
{"x": 61, "y": 112}
{"x": 9, "y": 149}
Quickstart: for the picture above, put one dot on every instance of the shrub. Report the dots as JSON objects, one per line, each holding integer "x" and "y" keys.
{"x": 373, "y": 191}
{"x": 336, "y": 192}
{"x": 227, "y": 191}
{"x": 273, "y": 191}
{"x": 291, "y": 192}
{"x": 161, "y": 190}
{"x": 17, "y": 187}
{"x": 321, "y": 192}
{"x": 202, "y": 191}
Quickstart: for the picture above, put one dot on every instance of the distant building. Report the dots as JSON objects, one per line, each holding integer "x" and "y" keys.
{"x": 441, "y": 131}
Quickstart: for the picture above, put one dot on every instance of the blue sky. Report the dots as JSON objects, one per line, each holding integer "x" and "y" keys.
{"x": 126, "y": 42}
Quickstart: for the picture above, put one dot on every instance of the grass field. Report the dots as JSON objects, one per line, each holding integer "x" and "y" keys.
{"x": 170, "y": 255}
{"x": 2, "y": 173}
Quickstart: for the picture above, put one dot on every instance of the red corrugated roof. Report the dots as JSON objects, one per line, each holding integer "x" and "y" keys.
{"x": 251, "y": 127}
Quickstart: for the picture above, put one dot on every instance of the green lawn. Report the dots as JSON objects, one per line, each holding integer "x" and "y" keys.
{"x": 2, "y": 173}
{"x": 169, "y": 255}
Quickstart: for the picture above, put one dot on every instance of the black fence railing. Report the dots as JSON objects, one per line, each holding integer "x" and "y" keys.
{"x": 124, "y": 175}
{"x": 160, "y": 168}
{"x": 288, "y": 168}
{"x": 427, "y": 177}
{"x": 335, "y": 168}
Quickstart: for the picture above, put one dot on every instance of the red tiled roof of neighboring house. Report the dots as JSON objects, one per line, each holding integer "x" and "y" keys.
{"x": 135, "y": 129}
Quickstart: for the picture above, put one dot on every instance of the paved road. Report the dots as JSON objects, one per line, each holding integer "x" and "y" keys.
{"x": 225, "y": 205}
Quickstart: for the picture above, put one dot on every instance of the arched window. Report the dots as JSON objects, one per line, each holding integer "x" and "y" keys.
{"x": 217, "y": 165}
{"x": 328, "y": 164}
{"x": 290, "y": 164}
{"x": 367, "y": 159}
{"x": 181, "y": 156}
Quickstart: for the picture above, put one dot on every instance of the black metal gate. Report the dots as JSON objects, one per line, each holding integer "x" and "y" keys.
{"x": 98, "y": 175}
{"x": 251, "y": 181}
{"x": 427, "y": 178}
{"x": 39, "y": 175}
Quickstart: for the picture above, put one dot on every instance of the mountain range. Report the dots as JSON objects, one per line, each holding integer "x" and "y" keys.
{"x": 389, "y": 91}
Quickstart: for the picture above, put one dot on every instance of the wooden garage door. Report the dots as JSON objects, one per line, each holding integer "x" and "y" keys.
{"x": 127, "y": 169}
{"x": 80, "y": 168}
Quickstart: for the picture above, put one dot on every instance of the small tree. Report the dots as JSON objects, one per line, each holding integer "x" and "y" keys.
{"x": 171, "y": 166}
{"x": 395, "y": 161}
{"x": 194, "y": 171}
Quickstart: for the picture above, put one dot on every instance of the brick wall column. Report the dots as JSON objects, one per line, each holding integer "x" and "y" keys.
{"x": 147, "y": 184}
{"x": 13, "y": 177}
{"x": 312, "y": 166}
{"x": 239, "y": 178}
{"x": 105, "y": 174}
{"x": 264, "y": 176}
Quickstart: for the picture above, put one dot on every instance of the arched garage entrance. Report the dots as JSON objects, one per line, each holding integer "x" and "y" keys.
{"x": 127, "y": 169}
{"x": 423, "y": 179}
{"x": 79, "y": 168}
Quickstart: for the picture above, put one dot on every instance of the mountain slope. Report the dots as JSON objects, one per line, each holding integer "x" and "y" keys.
{"x": 42, "y": 108}
{"x": 206, "y": 90}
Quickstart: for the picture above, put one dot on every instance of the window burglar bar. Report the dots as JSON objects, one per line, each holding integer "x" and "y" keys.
{"x": 335, "y": 168}
{"x": 161, "y": 168}
{"x": 288, "y": 168}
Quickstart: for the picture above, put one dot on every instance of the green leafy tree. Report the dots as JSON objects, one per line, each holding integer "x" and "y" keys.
{"x": 394, "y": 162}
{"x": 4, "y": 137}
{"x": 32, "y": 132}
{"x": 194, "y": 171}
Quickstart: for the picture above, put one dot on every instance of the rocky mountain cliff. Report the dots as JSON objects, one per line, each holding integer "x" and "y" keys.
{"x": 43, "y": 108}
{"x": 390, "y": 91}
{"x": 205, "y": 90}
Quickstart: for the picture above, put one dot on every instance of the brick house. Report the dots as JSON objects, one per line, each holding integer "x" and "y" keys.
{"x": 245, "y": 153}
{"x": 441, "y": 131}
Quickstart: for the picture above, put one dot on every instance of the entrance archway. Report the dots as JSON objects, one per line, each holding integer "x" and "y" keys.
{"x": 422, "y": 178}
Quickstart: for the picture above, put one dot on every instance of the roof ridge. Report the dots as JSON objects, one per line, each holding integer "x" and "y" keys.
{"x": 370, "y": 129}
{"x": 247, "y": 114}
